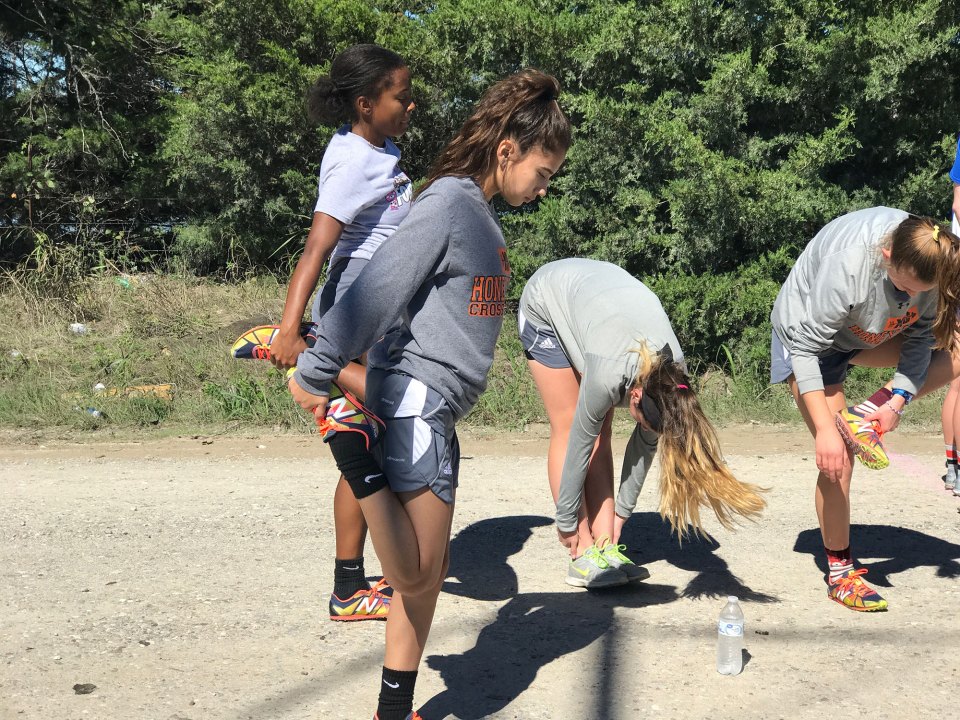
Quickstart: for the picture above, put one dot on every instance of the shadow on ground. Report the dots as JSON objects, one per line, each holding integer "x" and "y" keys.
{"x": 904, "y": 549}
{"x": 533, "y": 629}
{"x": 649, "y": 539}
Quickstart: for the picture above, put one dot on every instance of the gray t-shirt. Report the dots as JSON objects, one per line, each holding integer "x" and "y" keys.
{"x": 838, "y": 297}
{"x": 601, "y": 315}
{"x": 363, "y": 187}
{"x": 444, "y": 273}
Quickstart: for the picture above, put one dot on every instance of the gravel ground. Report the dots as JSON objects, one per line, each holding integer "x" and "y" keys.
{"x": 187, "y": 579}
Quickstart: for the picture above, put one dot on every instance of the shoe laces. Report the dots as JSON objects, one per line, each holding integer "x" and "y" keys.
{"x": 852, "y": 584}
{"x": 594, "y": 555}
{"x": 379, "y": 586}
{"x": 607, "y": 547}
{"x": 869, "y": 427}
{"x": 261, "y": 352}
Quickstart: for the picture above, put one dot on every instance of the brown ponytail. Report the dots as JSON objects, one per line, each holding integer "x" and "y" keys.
{"x": 522, "y": 107}
{"x": 932, "y": 253}
{"x": 692, "y": 471}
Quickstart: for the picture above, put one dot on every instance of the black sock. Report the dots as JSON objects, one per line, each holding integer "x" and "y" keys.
{"x": 396, "y": 694}
{"x": 357, "y": 465}
{"x": 348, "y": 577}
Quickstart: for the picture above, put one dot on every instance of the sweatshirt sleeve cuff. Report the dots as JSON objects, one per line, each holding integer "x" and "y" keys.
{"x": 566, "y": 522}
{"x": 314, "y": 387}
{"x": 911, "y": 385}
{"x": 806, "y": 371}
{"x": 622, "y": 510}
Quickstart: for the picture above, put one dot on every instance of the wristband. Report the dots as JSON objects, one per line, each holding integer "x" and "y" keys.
{"x": 905, "y": 394}
{"x": 898, "y": 412}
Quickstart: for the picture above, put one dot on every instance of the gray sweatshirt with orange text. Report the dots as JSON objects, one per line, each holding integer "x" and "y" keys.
{"x": 444, "y": 274}
{"x": 838, "y": 297}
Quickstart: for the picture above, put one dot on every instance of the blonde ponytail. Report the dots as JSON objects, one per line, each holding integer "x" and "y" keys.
{"x": 692, "y": 471}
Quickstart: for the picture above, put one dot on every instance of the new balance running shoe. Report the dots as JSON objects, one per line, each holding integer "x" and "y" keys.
{"x": 863, "y": 437}
{"x": 369, "y": 604}
{"x": 255, "y": 343}
{"x": 852, "y": 592}
{"x": 383, "y": 587}
{"x": 615, "y": 558}
{"x": 347, "y": 414}
{"x": 591, "y": 570}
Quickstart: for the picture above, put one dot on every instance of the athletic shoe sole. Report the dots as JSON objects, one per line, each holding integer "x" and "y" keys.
{"x": 596, "y": 584}
{"x": 864, "y": 453}
{"x": 876, "y": 608}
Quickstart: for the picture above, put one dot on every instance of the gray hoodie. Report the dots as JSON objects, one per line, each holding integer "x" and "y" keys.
{"x": 601, "y": 315}
{"x": 838, "y": 297}
{"x": 444, "y": 273}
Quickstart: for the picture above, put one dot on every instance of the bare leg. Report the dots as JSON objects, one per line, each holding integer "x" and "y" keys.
{"x": 349, "y": 526}
{"x": 408, "y": 625}
{"x": 943, "y": 366}
{"x": 559, "y": 389}
{"x": 410, "y": 533}
{"x": 948, "y": 413}
{"x": 348, "y": 522}
{"x": 832, "y": 498}
{"x": 598, "y": 488}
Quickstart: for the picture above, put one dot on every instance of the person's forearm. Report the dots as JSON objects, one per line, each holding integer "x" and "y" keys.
{"x": 302, "y": 284}
{"x": 816, "y": 403}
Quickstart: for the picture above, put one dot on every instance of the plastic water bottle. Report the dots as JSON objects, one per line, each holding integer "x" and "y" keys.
{"x": 730, "y": 638}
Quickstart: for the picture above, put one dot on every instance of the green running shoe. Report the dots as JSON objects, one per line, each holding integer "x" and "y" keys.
{"x": 615, "y": 558}
{"x": 591, "y": 570}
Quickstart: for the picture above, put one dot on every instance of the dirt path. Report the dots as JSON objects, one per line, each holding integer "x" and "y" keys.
{"x": 187, "y": 578}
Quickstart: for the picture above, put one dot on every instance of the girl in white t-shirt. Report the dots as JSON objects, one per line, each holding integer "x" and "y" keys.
{"x": 363, "y": 195}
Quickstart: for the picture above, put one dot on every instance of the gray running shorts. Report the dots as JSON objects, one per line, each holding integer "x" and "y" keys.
{"x": 541, "y": 344}
{"x": 420, "y": 447}
{"x": 833, "y": 364}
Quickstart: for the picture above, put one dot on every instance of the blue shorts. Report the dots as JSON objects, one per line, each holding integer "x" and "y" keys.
{"x": 419, "y": 447}
{"x": 340, "y": 276}
{"x": 834, "y": 364}
{"x": 541, "y": 344}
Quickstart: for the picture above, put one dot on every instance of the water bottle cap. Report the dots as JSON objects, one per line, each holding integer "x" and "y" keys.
{"x": 732, "y": 598}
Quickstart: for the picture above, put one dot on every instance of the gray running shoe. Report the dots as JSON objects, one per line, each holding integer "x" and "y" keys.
{"x": 591, "y": 570}
{"x": 950, "y": 479}
{"x": 615, "y": 558}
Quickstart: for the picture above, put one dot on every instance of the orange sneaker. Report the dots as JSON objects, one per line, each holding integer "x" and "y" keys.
{"x": 347, "y": 414}
{"x": 852, "y": 592}
{"x": 864, "y": 438}
{"x": 369, "y": 604}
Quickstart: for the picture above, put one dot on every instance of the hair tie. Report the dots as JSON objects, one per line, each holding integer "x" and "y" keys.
{"x": 936, "y": 233}
{"x": 683, "y": 387}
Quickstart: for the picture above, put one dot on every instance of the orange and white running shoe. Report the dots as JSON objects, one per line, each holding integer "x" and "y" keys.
{"x": 852, "y": 592}
{"x": 347, "y": 414}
